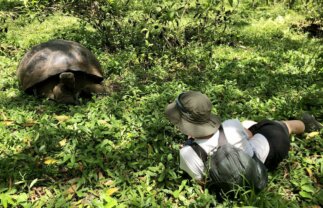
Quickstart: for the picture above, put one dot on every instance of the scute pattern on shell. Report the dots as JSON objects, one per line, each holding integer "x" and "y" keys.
{"x": 54, "y": 57}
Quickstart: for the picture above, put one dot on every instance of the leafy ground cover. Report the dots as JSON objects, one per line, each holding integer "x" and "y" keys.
{"x": 254, "y": 61}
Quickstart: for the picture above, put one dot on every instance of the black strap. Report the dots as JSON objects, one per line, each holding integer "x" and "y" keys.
{"x": 201, "y": 152}
{"x": 222, "y": 139}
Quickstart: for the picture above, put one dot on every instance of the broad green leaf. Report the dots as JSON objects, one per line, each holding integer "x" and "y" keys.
{"x": 319, "y": 196}
{"x": 169, "y": 157}
{"x": 6, "y": 199}
{"x": 182, "y": 185}
{"x": 150, "y": 149}
{"x": 305, "y": 194}
{"x": 21, "y": 198}
{"x": 176, "y": 193}
{"x": 308, "y": 188}
{"x": 305, "y": 181}
{"x": 111, "y": 202}
{"x": 162, "y": 176}
{"x": 33, "y": 183}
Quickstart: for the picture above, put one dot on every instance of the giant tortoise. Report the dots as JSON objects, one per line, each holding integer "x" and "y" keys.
{"x": 60, "y": 70}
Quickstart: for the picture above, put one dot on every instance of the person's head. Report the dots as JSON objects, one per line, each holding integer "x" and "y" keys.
{"x": 191, "y": 113}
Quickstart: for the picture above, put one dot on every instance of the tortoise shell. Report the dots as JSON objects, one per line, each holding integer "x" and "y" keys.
{"x": 54, "y": 57}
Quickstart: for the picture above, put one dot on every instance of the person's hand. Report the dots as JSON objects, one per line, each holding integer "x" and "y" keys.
{"x": 249, "y": 133}
{"x": 187, "y": 142}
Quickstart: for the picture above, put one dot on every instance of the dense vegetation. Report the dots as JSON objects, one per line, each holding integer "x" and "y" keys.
{"x": 254, "y": 59}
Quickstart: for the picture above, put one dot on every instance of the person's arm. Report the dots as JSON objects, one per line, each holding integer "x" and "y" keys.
{"x": 247, "y": 124}
{"x": 236, "y": 135}
{"x": 260, "y": 145}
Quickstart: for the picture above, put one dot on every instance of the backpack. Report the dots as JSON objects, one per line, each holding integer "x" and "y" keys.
{"x": 229, "y": 167}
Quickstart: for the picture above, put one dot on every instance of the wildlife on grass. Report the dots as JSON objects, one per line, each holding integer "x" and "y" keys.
{"x": 60, "y": 70}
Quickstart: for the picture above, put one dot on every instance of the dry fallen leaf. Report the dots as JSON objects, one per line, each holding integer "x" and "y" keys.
{"x": 62, "y": 142}
{"x": 312, "y": 134}
{"x": 72, "y": 189}
{"x": 309, "y": 171}
{"x": 29, "y": 123}
{"x": 142, "y": 178}
{"x": 61, "y": 118}
{"x": 7, "y": 122}
{"x": 102, "y": 122}
{"x": 107, "y": 183}
{"x": 111, "y": 191}
{"x": 81, "y": 166}
{"x": 50, "y": 161}
{"x": 100, "y": 175}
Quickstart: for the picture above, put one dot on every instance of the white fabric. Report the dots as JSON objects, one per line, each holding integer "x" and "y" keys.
{"x": 248, "y": 123}
{"x": 235, "y": 135}
{"x": 190, "y": 162}
{"x": 258, "y": 142}
{"x": 260, "y": 145}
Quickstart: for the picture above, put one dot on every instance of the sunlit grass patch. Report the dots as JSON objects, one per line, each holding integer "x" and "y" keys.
{"x": 240, "y": 53}
{"x": 272, "y": 31}
{"x": 37, "y": 32}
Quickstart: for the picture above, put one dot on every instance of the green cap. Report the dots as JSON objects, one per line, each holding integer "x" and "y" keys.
{"x": 191, "y": 113}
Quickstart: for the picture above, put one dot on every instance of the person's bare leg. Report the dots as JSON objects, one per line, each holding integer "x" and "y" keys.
{"x": 295, "y": 126}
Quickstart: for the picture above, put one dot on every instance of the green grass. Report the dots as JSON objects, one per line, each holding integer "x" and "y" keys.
{"x": 119, "y": 150}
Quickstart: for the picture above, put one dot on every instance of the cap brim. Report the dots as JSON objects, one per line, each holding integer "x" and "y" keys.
{"x": 192, "y": 129}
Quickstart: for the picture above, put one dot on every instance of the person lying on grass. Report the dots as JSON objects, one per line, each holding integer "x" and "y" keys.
{"x": 268, "y": 139}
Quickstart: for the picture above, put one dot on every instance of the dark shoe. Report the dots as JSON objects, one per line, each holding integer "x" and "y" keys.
{"x": 311, "y": 124}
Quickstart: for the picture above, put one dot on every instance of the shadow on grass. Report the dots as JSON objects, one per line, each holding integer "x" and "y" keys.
{"x": 8, "y": 6}
{"x": 90, "y": 148}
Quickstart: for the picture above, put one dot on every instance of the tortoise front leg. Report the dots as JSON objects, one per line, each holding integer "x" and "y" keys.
{"x": 65, "y": 92}
{"x": 64, "y": 95}
{"x": 45, "y": 89}
{"x": 93, "y": 88}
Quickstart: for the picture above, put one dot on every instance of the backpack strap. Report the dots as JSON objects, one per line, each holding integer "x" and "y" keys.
{"x": 201, "y": 152}
{"x": 222, "y": 139}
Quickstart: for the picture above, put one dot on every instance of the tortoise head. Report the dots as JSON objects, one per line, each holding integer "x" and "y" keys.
{"x": 64, "y": 91}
